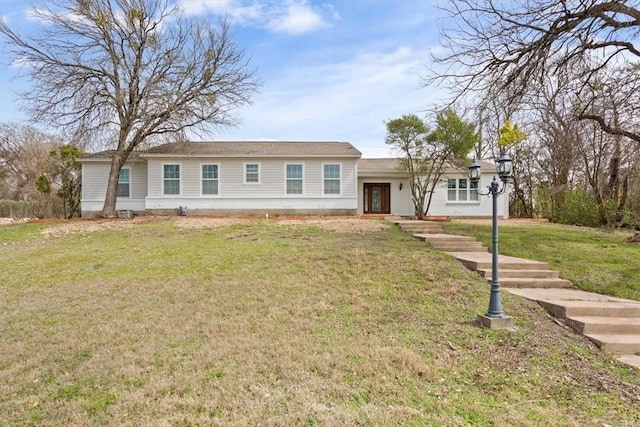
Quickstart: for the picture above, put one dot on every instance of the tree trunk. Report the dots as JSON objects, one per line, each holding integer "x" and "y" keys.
{"x": 109, "y": 208}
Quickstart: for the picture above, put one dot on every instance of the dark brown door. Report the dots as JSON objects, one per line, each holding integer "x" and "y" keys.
{"x": 377, "y": 198}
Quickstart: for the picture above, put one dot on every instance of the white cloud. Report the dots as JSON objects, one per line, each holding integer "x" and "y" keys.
{"x": 297, "y": 18}
{"x": 290, "y": 17}
{"x": 235, "y": 10}
{"x": 346, "y": 101}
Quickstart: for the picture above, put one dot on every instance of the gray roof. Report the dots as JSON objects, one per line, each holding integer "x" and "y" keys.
{"x": 254, "y": 149}
{"x": 391, "y": 164}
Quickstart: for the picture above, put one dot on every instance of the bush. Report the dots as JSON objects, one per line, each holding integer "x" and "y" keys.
{"x": 580, "y": 208}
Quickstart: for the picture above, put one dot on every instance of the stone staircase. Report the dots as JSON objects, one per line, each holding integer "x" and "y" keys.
{"x": 613, "y": 324}
{"x": 514, "y": 272}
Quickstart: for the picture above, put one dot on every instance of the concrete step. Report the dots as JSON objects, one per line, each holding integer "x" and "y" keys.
{"x": 475, "y": 262}
{"x": 567, "y": 308}
{"x": 524, "y": 282}
{"x": 605, "y": 325}
{"x": 538, "y": 274}
{"x": 440, "y": 237}
{"x": 460, "y": 248}
{"x": 616, "y": 343}
{"x": 420, "y": 226}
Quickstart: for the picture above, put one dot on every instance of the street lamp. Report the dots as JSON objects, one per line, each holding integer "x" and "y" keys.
{"x": 495, "y": 300}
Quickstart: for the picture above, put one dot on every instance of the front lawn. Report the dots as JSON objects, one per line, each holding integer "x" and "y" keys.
{"x": 235, "y": 323}
{"x": 593, "y": 260}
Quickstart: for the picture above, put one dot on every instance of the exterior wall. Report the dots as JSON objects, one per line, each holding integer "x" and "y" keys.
{"x": 95, "y": 176}
{"x": 269, "y": 195}
{"x": 401, "y": 203}
{"x": 440, "y": 206}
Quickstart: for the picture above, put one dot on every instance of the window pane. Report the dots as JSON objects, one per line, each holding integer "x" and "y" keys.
{"x": 210, "y": 186}
{"x": 123, "y": 190}
{"x": 331, "y": 171}
{"x": 123, "y": 177}
{"x": 294, "y": 187}
{"x": 209, "y": 171}
{"x": 123, "y": 183}
{"x": 451, "y": 190}
{"x": 462, "y": 189}
{"x": 294, "y": 171}
{"x": 473, "y": 193}
{"x": 252, "y": 173}
{"x": 171, "y": 187}
{"x": 172, "y": 171}
{"x": 331, "y": 186}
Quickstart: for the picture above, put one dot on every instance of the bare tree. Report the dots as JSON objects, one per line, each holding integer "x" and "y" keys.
{"x": 24, "y": 154}
{"x": 127, "y": 71}
{"x": 511, "y": 47}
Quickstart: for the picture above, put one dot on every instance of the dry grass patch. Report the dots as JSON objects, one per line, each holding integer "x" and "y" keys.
{"x": 270, "y": 323}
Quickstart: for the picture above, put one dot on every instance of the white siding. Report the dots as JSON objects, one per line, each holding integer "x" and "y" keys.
{"x": 95, "y": 176}
{"x": 235, "y": 194}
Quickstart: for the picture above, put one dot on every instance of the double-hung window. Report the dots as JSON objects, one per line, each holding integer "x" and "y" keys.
{"x": 461, "y": 190}
{"x": 124, "y": 183}
{"x": 171, "y": 179}
{"x": 294, "y": 179}
{"x": 331, "y": 179}
{"x": 209, "y": 179}
{"x": 252, "y": 173}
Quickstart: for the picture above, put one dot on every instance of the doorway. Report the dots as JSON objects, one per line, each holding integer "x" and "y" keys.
{"x": 377, "y": 198}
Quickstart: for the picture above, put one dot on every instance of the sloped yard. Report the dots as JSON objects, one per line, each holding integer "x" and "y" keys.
{"x": 159, "y": 322}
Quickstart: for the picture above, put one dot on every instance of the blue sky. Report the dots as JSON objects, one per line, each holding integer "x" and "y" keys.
{"x": 331, "y": 70}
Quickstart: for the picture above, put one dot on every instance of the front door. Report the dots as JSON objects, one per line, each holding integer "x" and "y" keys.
{"x": 377, "y": 198}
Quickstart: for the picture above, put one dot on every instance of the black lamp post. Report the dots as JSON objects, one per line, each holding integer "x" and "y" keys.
{"x": 504, "y": 172}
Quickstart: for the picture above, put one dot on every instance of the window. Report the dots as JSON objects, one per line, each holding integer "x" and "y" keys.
{"x": 171, "y": 179}
{"x": 331, "y": 179}
{"x": 209, "y": 179}
{"x": 294, "y": 179}
{"x": 252, "y": 173}
{"x": 461, "y": 190}
{"x": 124, "y": 183}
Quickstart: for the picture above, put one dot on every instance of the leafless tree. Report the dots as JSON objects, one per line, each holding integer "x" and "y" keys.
{"x": 24, "y": 154}
{"x": 124, "y": 72}
{"x": 513, "y": 47}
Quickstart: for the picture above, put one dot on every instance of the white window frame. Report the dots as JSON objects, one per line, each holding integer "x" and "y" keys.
{"x": 457, "y": 190}
{"x": 128, "y": 183}
{"x": 173, "y": 179}
{"x": 202, "y": 179}
{"x": 287, "y": 179}
{"x": 244, "y": 173}
{"x": 339, "y": 179}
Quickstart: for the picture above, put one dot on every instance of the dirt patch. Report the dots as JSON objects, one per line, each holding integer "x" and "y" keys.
{"x": 346, "y": 225}
{"x": 7, "y": 221}
{"x": 90, "y": 226}
{"x": 634, "y": 239}
{"x": 204, "y": 222}
{"x": 342, "y": 225}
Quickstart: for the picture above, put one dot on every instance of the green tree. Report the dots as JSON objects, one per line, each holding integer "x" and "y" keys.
{"x": 126, "y": 72}
{"x": 425, "y": 155}
{"x": 64, "y": 175}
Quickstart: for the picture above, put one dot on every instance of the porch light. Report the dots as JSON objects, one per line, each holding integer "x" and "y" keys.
{"x": 400, "y": 187}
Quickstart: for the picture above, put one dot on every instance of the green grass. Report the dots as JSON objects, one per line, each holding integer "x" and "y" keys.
{"x": 270, "y": 323}
{"x": 593, "y": 260}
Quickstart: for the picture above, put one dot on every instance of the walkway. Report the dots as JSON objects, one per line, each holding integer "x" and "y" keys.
{"x": 613, "y": 324}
